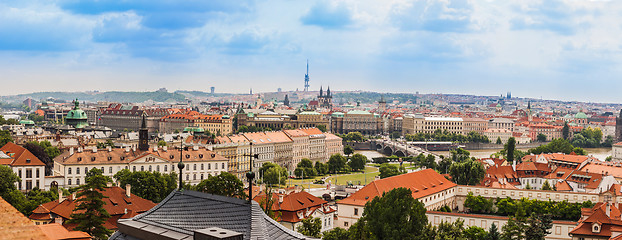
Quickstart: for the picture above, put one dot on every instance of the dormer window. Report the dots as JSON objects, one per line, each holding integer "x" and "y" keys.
{"x": 596, "y": 228}
{"x": 27, "y": 160}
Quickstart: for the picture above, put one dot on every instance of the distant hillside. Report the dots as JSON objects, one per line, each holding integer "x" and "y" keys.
{"x": 114, "y": 96}
{"x": 199, "y": 94}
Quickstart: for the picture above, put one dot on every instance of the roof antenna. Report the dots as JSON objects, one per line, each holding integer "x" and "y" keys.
{"x": 180, "y": 165}
{"x": 250, "y": 174}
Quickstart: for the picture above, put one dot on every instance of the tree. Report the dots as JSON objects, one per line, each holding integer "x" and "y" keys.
{"x": 336, "y": 163}
{"x": 5, "y": 137}
{"x": 459, "y": 155}
{"x": 389, "y": 170}
{"x": 354, "y": 137}
{"x": 321, "y": 168}
{"x": 475, "y": 233}
{"x": 152, "y": 186}
{"x": 357, "y": 162}
{"x": 566, "y": 131}
{"x": 305, "y": 163}
{"x": 444, "y": 164}
{"x": 478, "y": 204}
{"x": 538, "y": 226}
{"x": 336, "y": 234}
{"x": 310, "y": 227}
{"x": 321, "y": 127}
{"x": 273, "y": 174}
{"x": 510, "y": 146}
{"x": 224, "y": 184}
{"x": 9, "y": 178}
{"x": 89, "y": 214}
{"x": 499, "y": 140}
{"x": 162, "y": 143}
{"x": 36, "y": 149}
{"x": 541, "y": 137}
{"x": 449, "y": 230}
{"x": 493, "y": 233}
{"x": 395, "y": 215}
{"x": 546, "y": 186}
{"x": 430, "y": 162}
{"x": 469, "y": 172}
{"x": 347, "y": 150}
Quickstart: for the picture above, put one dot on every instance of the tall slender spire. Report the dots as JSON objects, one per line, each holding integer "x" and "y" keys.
{"x": 321, "y": 91}
{"x": 307, "y": 78}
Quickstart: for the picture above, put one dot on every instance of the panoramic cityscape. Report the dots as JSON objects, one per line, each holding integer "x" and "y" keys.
{"x": 336, "y": 120}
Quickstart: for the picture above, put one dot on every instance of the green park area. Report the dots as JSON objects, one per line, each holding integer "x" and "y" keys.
{"x": 339, "y": 179}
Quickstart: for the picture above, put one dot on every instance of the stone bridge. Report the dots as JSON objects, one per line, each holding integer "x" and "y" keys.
{"x": 399, "y": 149}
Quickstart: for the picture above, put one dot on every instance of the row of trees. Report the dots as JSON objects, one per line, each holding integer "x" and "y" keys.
{"x": 396, "y": 215}
{"x": 353, "y": 137}
{"x": 445, "y": 135}
{"x": 508, "y": 207}
{"x": 591, "y": 138}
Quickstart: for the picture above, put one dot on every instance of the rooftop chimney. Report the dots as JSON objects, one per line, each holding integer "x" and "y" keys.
{"x": 58, "y": 220}
{"x": 94, "y": 149}
{"x": 60, "y": 196}
{"x": 608, "y": 210}
{"x": 128, "y": 190}
{"x": 280, "y": 198}
{"x": 73, "y": 196}
{"x": 109, "y": 148}
{"x": 164, "y": 148}
{"x": 108, "y": 184}
{"x": 71, "y": 151}
{"x": 127, "y": 149}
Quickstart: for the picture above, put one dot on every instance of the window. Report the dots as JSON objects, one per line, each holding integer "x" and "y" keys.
{"x": 165, "y": 168}
{"x": 28, "y": 174}
{"x": 209, "y": 166}
{"x": 28, "y": 184}
{"x": 77, "y": 170}
{"x": 126, "y": 167}
{"x": 194, "y": 166}
{"x": 150, "y": 168}
{"x": 86, "y": 170}
{"x": 142, "y": 168}
{"x": 102, "y": 168}
{"x": 69, "y": 182}
{"x": 201, "y": 166}
{"x": 110, "y": 170}
{"x": 215, "y": 165}
{"x": 68, "y": 170}
{"x": 158, "y": 168}
{"x": 187, "y": 177}
{"x": 356, "y": 212}
{"x": 37, "y": 173}
{"x": 194, "y": 177}
{"x": 201, "y": 176}
{"x": 19, "y": 172}
{"x": 345, "y": 224}
{"x": 222, "y": 166}
{"x": 134, "y": 169}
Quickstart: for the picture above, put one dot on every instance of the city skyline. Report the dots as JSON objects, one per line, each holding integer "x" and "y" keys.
{"x": 564, "y": 50}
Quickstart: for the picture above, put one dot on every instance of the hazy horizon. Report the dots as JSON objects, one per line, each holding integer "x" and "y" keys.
{"x": 563, "y": 50}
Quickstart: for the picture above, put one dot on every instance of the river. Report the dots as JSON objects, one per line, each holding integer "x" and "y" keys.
{"x": 600, "y": 153}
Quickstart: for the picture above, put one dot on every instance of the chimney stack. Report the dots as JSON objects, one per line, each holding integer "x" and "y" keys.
{"x": 608, "y": 210}
{"x": 280, "y": 198}
{"x": 70, "y": 151}
{"x": 58, "y": 220}
{"x": 108, "y": 184}
{"x": 60, "y": 196}
{"x": 109, "y": 148}
{"x": 94, "y": 149}
{"x": 128, "y": 190}
{"x": 73, "y": 196}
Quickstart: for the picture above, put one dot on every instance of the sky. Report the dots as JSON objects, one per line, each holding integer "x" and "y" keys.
{"x": 553, "y": 49}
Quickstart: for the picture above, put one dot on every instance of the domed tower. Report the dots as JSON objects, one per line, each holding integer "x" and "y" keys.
{"x": 76, "y": 117}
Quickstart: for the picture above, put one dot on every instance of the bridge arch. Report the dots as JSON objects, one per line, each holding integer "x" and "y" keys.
{"x": 400, "y": 153}
{"x": 378, "y": 146}
{"x": 387, "y": 150}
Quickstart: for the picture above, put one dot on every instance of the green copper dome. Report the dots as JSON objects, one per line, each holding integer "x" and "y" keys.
{"x": 580, "y": 115}
{"x": 27, "y": 122}
{"x": 76, "y": 117}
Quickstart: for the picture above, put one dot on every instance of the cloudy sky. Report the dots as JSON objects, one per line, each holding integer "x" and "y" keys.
{"x": 569, "y": 50}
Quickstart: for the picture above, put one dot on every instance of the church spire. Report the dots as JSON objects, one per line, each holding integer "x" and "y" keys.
{"x": 321, "y": 92}
{"x": 328, "y": 91}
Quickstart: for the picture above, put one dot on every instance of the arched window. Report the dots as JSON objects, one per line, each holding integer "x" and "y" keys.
{"x": 134, "y": 169}
{"x": 68, "y": 170}
{"x": 86, "y": 170}
{"x": 149, "y": 168}
{"x": 165, "y": 168}
{"x": 69, "y": 181}
{"x": 158, "y": 168}
{"x": 142, "y": 168}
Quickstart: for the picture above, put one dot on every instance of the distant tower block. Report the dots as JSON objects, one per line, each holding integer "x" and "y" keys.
{"x": 212, "y": 89}
{"x": 307, "y": 78}
{"x": 279, "y": 89}
{"x": 251, "y": 91}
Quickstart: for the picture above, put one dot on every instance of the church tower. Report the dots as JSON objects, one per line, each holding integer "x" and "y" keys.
{"x": 529, "y": 118}
{"x": 143, "y": 135}
{"x": 382, "y": 105}
{"x": 286, "y": 101}
{"x": 307, "y": 78}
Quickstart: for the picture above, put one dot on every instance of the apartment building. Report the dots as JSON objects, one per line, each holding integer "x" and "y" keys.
{"x": 26, "y": 165}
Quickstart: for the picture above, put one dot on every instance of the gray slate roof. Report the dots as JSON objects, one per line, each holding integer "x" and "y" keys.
{"x": 183, "y": 212}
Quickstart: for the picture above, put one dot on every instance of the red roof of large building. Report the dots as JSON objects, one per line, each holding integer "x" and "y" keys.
{"x": 605, "y": 215}
{"x": 421, "y": 183}
{"x": 19, "y": 156}
{"x": 296, "y": 206}
{"x": 116, "y": 203}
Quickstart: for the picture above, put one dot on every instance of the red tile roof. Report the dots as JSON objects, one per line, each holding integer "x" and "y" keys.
{"x": 56, "y": 231}
{"x": 421, "y": 183}
{"x": 116, "y": 204}
{"x": 13, "y": 225}
{"x": 20, "y": 156}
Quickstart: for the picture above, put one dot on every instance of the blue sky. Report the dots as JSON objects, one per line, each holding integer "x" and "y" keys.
{"x": 568, "y": 50}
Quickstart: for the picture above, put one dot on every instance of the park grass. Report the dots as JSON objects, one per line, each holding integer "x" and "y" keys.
{"x": 354, "y": 178}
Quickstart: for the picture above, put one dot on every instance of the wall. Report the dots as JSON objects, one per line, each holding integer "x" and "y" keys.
{"x": 559, "y": 230}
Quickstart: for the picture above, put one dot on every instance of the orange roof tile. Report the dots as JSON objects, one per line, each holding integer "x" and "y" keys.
{"x": 55, "y": 231}
{"x": 14, "y": 225}
{"x": 421, "y": 183}
{"x": 21, "y": 156}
